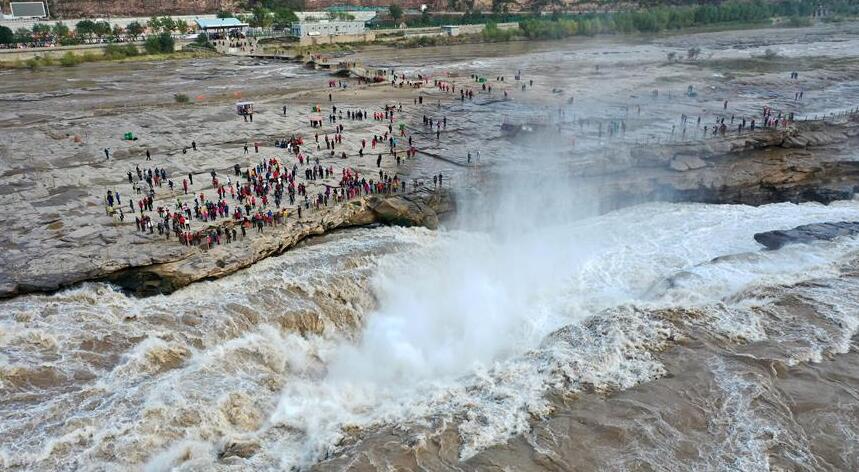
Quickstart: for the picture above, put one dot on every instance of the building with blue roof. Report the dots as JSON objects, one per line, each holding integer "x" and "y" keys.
{"x": 223, "y": 26}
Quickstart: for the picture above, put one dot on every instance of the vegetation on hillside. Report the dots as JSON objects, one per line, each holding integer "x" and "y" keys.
{"x": 659, "y": 15}
{"x": 653, "y": 20}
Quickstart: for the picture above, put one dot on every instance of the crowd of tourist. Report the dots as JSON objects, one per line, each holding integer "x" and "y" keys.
{"x": 274, "y": 190}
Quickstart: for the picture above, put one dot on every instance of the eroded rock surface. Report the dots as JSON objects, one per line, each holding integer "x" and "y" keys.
{"x": 807, "y": 234}
{"x": 809, "y": 161}
{"x": 420, "y": 208}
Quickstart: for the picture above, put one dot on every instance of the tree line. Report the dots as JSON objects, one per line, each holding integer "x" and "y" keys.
{"x": 88, "y": 31}
{"x": 653, "y": 20}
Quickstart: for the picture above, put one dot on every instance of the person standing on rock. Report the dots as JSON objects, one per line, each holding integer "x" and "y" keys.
{"x": 194, "y": 145}
{"x": 107, "y": 153}
{"x": 246, "y": 148}
{"x": 148, "y": 156}
{"x": 191, "y": 178}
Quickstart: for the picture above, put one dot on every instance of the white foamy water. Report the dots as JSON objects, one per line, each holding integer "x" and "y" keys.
{"x": 387, "y": 327}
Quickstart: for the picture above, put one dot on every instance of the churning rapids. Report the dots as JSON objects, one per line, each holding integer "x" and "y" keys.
{"x": 302, "y": 357}
{"x": 531, "y": 333}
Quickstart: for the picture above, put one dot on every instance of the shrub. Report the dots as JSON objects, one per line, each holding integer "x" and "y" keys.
{"x": 693, "y": 53}
{"x": 799, "y": 21}
{"x": 69, "y": 59}
{"x": 114, "y": 51}
{"x": 117, "y": 51}
{"x": 202, "y": 41}
{"x": 6, "y": 35}
{"x": 160, "y": 43}
{"x": 181, "y": 98}
{"x": 131, "y": 50}
{"x": 492, "y": 33}
{"x": 422, "y": 41}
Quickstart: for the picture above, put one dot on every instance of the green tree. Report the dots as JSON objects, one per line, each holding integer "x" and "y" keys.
{"x": 202, "y": 41}
{"x": 6, "y": 35}
{"x": 283, "y": 18}
{"x": 154, "y": 25}
{"x": 396, "y": 12}
{"x": 274, "y": 5}
{"x": 60, "y": 30}
{"x": 426, "y": 18}
{"x": 160, "y": 43}
{"x": 224, "y": 14}
{"x": 182, "y": 26}
{"x": 261, "y": 18}
{"x": 101, "y": 29}
{"x": 41, "y": 29}
{"x": 23, "y": 35}
{"x": 85, "y": 28}
{"x": 167, "y": 24}
{"x": 134, "y": 29}
{"x": 117, "y": 32}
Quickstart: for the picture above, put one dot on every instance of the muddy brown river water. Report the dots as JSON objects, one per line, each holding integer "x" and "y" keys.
{"x": 531, "y": 332}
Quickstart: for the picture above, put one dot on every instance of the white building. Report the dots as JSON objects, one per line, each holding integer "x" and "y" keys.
{"x": 351, "y": 15}
{"x": 327, "y": 28}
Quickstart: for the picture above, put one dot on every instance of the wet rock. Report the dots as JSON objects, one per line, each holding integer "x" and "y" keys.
{"x": 683, "y": 163}
{"x": 807, "y": 234}
{"x": 404, "y": 212}
{"x": 416, "y": 209}
{"x": 241, "y": 412}
{"x": 243, "y": 449}
{"x": 799, "y": 164}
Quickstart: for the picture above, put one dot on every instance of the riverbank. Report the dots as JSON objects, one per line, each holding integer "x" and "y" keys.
{"x": 39, "y": 61}
{"x": 58, "y": 232}
{"x": 163, "y": 276}
{"x": 756, "y": 169}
